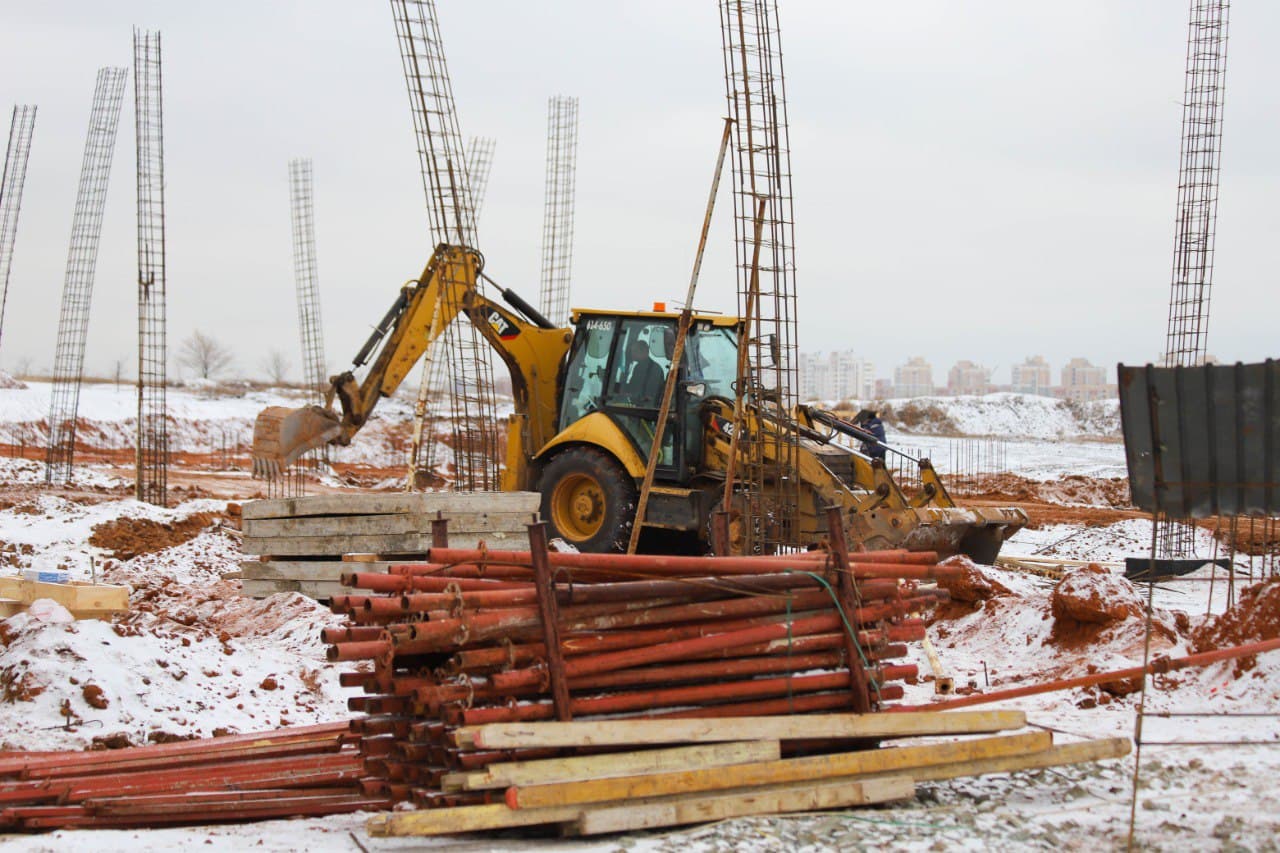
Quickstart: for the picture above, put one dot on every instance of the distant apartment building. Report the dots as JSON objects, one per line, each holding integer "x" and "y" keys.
{"x": 836, "y": 376}
{"x": 1082, "y": 381}
{"x": 1032, "y": 377}
{"x": 968, "y": 378}
{"x": 913, "y": 379}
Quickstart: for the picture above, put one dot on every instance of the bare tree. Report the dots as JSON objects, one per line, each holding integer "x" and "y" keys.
{"x": 204, "y": 355}
{"x": 276, "y": 366}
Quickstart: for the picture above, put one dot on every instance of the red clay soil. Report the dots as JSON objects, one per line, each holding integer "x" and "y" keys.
{"x": 127, "y": 538}
{"x": 968, "y": 591}
{"x": 1089, "y": 601}
{"x": 1255, "y": 617}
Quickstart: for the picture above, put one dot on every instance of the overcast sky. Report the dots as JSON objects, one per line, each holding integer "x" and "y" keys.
{"x": 972, "y": 180}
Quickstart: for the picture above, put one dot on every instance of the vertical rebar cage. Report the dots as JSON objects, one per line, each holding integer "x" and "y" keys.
{"x": 769, "y": 486}
{"x": 153, "y": 432}
{"x": 21, "y": 126}
{"x": 1197, "y": 213}
{"x": 479, "y": 163}
{"x": 306, "y": 278}
{"x": 463, "y": 357}
{"x": 82, "y": 263}
{"x": 557, "y": 212}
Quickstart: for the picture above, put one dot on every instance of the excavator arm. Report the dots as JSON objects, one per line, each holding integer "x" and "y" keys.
{"x": 532, "y": 348}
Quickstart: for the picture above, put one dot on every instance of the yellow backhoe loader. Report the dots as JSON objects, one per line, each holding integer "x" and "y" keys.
{"x": 586, "y": 403}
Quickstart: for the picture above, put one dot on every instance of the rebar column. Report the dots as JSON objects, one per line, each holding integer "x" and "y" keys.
{"x": 768, "y": 484}
{"x": 21, "y": 126}
{"x": 151, "y": 484}
{"x": 557, "y": 211}
{"x": 306, "y": 279}
{"x": 480, "y": 161}
{"x": 82, "y": 263}
{"x": 461, "y": 351}
{"x": 1197, "y": 213}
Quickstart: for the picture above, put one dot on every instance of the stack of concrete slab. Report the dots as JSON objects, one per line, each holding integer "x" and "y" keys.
{"x": 301, "y": 542}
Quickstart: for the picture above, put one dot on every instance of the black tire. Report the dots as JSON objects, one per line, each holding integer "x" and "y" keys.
{"x": 588, "y": 500}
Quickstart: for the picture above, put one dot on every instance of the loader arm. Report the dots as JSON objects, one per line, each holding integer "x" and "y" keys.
{"x": 531, "y": 348}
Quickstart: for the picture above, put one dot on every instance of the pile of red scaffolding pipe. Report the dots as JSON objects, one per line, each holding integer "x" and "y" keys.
{"x": 473, "y": 636}
{"x": 293, "y": 772}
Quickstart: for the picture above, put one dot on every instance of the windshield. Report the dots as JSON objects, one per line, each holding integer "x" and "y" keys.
{"x": 712, "y": 358}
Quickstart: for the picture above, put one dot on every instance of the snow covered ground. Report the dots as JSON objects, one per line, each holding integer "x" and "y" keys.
{"x": 194, "y": 657}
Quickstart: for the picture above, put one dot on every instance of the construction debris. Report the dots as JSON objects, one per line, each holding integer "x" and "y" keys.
{"x": 522, "y": 688}
{"x": 304, "y": 540}
{"x": 82, "y": 600}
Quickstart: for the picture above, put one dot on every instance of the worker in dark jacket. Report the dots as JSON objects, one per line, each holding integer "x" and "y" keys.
{"x": 869, "y": 421}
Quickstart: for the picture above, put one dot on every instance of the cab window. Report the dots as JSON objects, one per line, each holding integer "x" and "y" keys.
{"x": 585, "y": 375}
{"x": 642, "y": 357}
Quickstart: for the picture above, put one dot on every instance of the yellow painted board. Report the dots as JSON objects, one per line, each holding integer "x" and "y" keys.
{"x": 892, "y": 759}
{"x": 785, "y": 727}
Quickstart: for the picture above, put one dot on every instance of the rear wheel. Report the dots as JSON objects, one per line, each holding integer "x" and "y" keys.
{"x": 589, "y": 500}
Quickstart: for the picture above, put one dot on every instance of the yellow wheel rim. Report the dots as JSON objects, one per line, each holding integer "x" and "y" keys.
{"x": 577, "y": 507}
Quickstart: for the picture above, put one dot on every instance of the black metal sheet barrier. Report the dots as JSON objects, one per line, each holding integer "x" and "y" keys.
{"x": 1203, "y": 441}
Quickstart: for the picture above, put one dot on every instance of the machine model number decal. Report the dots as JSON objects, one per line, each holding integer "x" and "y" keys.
{"x": 598, "y": 325}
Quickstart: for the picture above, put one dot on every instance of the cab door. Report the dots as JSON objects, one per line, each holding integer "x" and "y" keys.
{"x": 637, "y": 375}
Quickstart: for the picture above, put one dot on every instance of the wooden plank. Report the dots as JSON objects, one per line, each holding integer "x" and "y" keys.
{"x": 497, "y": 816}
{"x": 379, "y": 525}
{"x": 101, "y": 598}
{"x": 312, "y": 589}
{"x": 1058, "y": 755}
{"x": 298, "y": 570}
{"x": 465, "y": 819}
{"x": 803, "y": 797}
{"x": 613, "y": 764}
{"x": 793, "y": 727}
{"x": 392, "y": 502}
{"x": 404, "y": 543}
{"x": 893, "y": 759}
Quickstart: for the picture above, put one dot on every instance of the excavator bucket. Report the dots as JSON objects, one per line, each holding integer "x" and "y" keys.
{"x": 281, "y": 435}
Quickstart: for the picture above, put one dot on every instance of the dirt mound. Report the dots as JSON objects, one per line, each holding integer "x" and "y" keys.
{"x": 127, "y": 538}
{"x": 1088, "y": 602}
{"x": 1069, "y": 490}
{"x": 9, "y": 383}
{"x": 972, "y": 586}
{"x": 1092, "y": 594}
{"x": 1255, "y": 617}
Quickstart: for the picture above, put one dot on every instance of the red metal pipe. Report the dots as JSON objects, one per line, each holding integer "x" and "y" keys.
{"x": 628, "y": 658}
{"x": 616, "y": 703}
{"x": 357, "y": 651}
{"x": 1159, "y": 665}
{"x": 735, "y": 667}
{"x": 375, "y": 581}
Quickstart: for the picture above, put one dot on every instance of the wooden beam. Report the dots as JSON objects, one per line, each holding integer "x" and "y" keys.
{"x": 465, "y": 819}
{"x": 411, "y": 544}
{"x": 1067, "y": 753}
{"x": 803, "y": 797}
{"x": 613, "y": 764}
{"x": 88, "y": 598}
{"x": 898, "y": 760}
{"x": 498, "y": 816}
{"x": 640, "y": 731}
{"x": 392, "y": 503}
{"x": 473, "y": 523}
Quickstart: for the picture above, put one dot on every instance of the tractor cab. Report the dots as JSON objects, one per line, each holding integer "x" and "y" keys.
{"x": 618, "y": 366}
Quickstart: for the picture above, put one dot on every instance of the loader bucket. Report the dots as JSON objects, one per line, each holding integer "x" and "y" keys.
{"x": 976, "y": 533}
{"x": 281, "y": 435}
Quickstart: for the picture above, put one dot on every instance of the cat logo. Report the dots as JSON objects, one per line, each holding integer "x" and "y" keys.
{"x": 505, "y": 329}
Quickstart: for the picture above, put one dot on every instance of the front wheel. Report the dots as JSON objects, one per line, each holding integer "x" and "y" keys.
{"x": 589, "y": 500}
